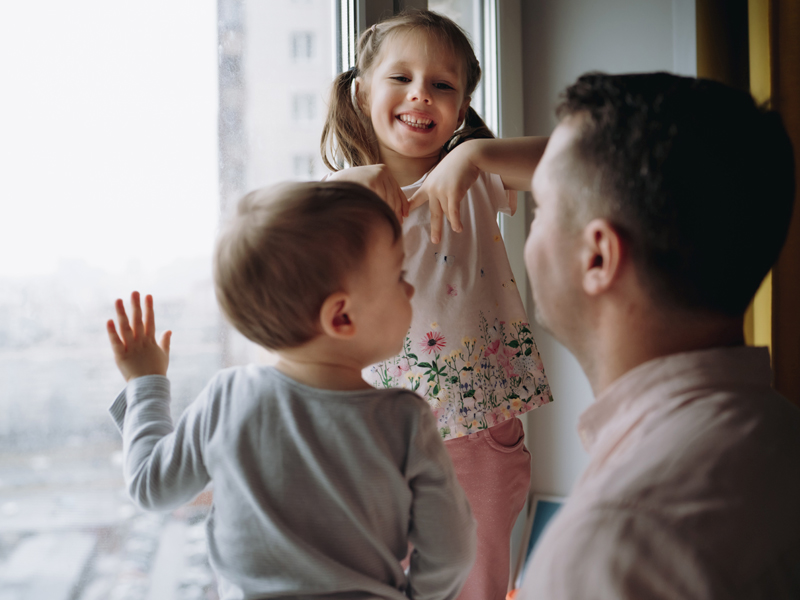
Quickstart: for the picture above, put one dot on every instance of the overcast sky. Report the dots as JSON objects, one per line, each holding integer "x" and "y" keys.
{"x": 108, "y": 149}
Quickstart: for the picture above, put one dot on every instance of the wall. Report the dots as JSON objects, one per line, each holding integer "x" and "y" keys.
{"x": 561, "y": 39}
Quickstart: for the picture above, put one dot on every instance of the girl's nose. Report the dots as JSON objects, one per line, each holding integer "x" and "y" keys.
{"x": 420, "y": 93}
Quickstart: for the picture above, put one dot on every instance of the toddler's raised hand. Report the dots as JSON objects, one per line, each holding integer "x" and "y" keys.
{"x": 445, "y": 187}
{"x": 380, "y": 180}
{"x": 135, "y": 349}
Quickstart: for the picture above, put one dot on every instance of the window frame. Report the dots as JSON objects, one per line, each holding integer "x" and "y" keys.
{"x": 501, "y": 42}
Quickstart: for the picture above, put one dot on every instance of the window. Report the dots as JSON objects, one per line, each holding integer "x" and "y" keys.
{"x": 127, "y": 194}
{"x": 138, "y": 167}
{"x": 302, "y": 46}
{"x": 304, "y": 108}
{"x": 305, "y": 166}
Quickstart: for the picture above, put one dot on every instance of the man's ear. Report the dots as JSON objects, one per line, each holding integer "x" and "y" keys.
{"x": 601, "y": 257}
{"x": 462, "y": 112}
{"x": 334, "y": 317}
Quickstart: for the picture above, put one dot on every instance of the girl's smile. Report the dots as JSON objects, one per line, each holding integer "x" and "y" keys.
{"x": 414, "y": 97}
{"x": 417, "y": 122}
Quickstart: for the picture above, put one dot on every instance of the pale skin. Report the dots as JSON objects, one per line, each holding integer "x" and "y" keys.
{"x": 513, "y": 159}
{"x": 136, "y": 351}
{"x": 325, "y": 362}
{"x": 588, "y": 291}
{"x": 415, "y": 77}
{"x": 627, "y": 328}
{"x": 363, "y": 323}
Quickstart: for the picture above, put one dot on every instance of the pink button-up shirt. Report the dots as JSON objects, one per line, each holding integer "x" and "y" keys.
{"x": 692, "y": 490}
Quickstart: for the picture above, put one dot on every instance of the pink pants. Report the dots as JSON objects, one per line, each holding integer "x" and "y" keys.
{"x": 494, "y": 468}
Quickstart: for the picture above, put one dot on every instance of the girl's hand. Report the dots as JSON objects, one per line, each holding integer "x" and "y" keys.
{"x": 380, "y": 180}
{"x": 513, "y": 159}
{"x": 445, "y": 187}
{"x": 135, "y": 349}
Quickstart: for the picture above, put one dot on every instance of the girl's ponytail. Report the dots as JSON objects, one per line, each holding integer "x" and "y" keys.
{"x": 346, "y": 138}
{"x": 473, "y": 128}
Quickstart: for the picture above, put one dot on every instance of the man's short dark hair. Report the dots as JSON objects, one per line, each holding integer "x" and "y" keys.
{"x": 694, "y": 176}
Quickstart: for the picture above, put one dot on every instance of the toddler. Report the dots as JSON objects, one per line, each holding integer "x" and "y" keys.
{"x": 401, "y": 121}
{"x": 320, "y": 480}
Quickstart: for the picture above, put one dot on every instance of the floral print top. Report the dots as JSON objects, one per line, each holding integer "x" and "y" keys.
{"x": 469, "y": 352}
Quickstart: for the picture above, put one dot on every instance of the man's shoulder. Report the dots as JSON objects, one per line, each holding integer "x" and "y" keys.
{"x": 714, "y": 478}
{"x": 719, "y": 442}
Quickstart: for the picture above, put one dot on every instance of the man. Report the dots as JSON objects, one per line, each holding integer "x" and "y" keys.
{"x": 661, "y": 204}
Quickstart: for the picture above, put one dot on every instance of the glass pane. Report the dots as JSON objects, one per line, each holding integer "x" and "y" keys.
{"x": 130, "y": 128}
{"x": 469, "y": 14}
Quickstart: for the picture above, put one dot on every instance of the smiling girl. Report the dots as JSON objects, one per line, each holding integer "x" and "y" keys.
{"x": 401, "y": 122}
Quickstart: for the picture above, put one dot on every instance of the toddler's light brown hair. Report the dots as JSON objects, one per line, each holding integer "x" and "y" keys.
{"x": 287, "y": 249}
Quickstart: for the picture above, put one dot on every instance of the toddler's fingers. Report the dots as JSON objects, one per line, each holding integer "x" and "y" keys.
{"x": 117, "y": 346}
{"x": 124, "y": 326}
{"x": 166, "y": 339}
{"x": 149, "y": 318}
{"x": 136, "y": 315}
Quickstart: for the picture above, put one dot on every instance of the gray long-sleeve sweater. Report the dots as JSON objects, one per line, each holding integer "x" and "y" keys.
{"x": 316, "y": 493}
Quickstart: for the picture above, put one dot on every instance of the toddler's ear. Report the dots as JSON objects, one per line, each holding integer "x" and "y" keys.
{"x": 333, "y": 316}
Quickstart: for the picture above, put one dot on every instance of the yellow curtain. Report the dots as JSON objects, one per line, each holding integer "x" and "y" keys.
{"x": 784, "y": 47}
{"x": 754, "y": 45}
{"x": 758, "y": 321}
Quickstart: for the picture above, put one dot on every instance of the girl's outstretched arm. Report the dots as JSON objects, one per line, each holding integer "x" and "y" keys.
{"x": 513, "y": 159}
{"x": 380, "y": 180}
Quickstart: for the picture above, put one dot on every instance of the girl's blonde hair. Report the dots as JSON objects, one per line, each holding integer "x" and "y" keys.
{"x": 348, "y": 138}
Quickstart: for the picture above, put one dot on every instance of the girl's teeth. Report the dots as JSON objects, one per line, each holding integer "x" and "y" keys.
{"x": 415, "y": 122}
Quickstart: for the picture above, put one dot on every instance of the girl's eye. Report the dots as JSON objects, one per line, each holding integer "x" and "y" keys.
{"x": 401, "y": 78}
{"x": 444, "y": 86}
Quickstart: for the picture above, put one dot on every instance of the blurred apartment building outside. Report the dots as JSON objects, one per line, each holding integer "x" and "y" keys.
{"x": 67, "y": 529}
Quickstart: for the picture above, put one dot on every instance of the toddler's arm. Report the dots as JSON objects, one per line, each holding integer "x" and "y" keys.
{"x": 442, "y": 528}
{"x": 513, "y": 159}
{"x": 162, "y": 465}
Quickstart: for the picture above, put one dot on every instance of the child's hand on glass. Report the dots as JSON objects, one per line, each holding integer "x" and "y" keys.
{"x": 445, "y": 187}
{"x": 380, "y": 180}
{"x": 135, "y": 349}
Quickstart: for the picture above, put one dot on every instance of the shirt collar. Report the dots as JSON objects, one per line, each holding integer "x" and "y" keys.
{"x": 652, "y": 384}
